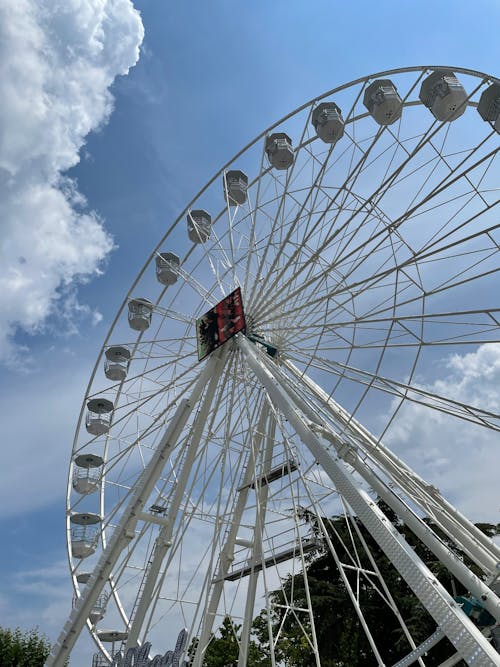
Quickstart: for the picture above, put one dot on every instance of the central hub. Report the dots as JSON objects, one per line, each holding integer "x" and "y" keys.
{"x": 220, "y": 323}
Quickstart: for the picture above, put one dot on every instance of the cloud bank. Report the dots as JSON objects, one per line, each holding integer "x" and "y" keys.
{"x": 59, "y": 60}
{"x": 459, "y": 458}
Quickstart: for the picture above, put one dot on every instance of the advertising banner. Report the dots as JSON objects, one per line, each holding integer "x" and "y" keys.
{"x": 220, "y": 324}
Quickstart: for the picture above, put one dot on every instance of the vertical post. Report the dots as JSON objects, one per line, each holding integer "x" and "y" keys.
{"x": 164, "y": 538}
{"x": 124, "y": 532}
{"x": 261, "y": 494}
{"x": 462, "y": 633}
{"x": 467, "y": 536}
{"x": 226, "y": 556}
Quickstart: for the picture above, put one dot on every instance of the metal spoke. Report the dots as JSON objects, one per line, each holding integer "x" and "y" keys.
{"x": 368, "y": 268}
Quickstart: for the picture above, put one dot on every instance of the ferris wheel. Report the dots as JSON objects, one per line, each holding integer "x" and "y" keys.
{"x": 242, "y": 419}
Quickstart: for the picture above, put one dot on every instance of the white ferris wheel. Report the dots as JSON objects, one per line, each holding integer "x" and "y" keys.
{"x": 362, "y": 232}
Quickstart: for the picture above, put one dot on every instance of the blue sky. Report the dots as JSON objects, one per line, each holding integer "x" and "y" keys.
{"x": 210, "y": 76}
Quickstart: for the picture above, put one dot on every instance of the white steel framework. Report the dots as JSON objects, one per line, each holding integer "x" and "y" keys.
{"x": 367, "y": 256}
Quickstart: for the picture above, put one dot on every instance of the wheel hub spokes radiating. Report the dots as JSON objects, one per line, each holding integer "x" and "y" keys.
{"x": 365, "y": 252}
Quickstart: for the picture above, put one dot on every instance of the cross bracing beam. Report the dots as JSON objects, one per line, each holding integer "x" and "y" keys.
{"x": 125, "y": 531}
{"x": 482, "y": 550}
{"x": 275, "y": 473}
{"x": 462, "y": 633}
{"x": 264, "y": 431}
{"x": 280, "y": 557}
{"x": 164, "y": 538}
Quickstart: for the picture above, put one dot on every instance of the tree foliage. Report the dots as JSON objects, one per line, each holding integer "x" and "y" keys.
{"x": 23, "y": 649}
{"x": 341, "y": 639}
{"x": 223, "y": 648}
{"x": 342, "y": 642}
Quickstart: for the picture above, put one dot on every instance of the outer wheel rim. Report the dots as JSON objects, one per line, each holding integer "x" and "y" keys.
{"x": 180, "y": 220}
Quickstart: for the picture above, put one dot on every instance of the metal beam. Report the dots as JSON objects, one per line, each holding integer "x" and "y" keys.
{"x": 468, "y": 537}
{"x": 462, "y": 633}
{"x": 125, "y": 531}
{"x": 164, "y": 538}
{"x": 226, "y": 556}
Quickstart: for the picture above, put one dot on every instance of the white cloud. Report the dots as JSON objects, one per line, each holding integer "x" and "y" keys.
{"x": 49, "y": 591}
{"x": 459, "y": 458}
{"x": 58, "y": 62}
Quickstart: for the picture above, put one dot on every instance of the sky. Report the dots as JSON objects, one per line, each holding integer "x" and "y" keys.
{"x": 114, "y": 113}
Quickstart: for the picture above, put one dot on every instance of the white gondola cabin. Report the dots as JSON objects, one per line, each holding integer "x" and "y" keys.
{"x": 383, "y": 102}
{"x": 199, "y": 226}
{"x": 84, "y": 534}
{"x": 140, "y": 312}
{"x": 328, "y": 122}
{"x": 112, "y": 636}
{"x": 279, "y": 150}
{"x": 489, "y": 105}
{"x": 116, "y": 363}
{"x": 235, "y": 185}
{"x": 444, "y": 95}
{"x": 99, "y": 413}
{"x": 167, "y": 266}
{"x": 87, "y": 473}
{"x": 99, "y": 609}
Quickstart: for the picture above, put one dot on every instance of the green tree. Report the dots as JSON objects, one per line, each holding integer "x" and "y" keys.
{"x": 223, "y": 648}
{"x": 341, "y": 639}
{"x": 23, "y": 649}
